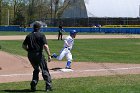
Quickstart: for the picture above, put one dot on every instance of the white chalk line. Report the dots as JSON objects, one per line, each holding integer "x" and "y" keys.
{"x": 58, "y": 72}
{"x": 114, "y": 69}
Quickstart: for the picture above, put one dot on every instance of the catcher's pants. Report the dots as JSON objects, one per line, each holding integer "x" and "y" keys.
{"x": 37, "y": 60}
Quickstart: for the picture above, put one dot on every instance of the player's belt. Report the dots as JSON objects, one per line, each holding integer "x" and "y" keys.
{"x": 68, "y": 48}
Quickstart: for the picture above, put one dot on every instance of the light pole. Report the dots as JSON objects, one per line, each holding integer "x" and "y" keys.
{"x": 139, "y": 10}
{"x": 0, "y": 11}
{"x": 51, "y": 12}
{"x": 8, "y": 17}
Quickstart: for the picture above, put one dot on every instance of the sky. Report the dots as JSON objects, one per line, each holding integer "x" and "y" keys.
{"x": 113, "y": 8}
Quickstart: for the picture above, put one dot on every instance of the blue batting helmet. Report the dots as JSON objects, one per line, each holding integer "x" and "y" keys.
{"x": 72, "y": 32}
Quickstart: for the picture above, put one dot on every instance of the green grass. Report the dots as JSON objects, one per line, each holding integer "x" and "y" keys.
{"x": 91, "y": 50}
{"x": 104, "y": 84}
{"x": 3, "y": 33}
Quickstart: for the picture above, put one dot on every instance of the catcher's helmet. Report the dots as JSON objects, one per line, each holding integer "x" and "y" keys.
{"x": 72, "y": 32}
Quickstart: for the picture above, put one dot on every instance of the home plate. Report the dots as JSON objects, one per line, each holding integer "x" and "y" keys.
{"x": 66, "y": 70}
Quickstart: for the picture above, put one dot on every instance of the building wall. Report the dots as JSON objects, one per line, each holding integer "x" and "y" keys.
{"x": 75, "y": 9}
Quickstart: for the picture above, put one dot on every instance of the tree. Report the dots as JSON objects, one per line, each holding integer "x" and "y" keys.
{"x": 0, "y": 11}
{"x": 62, "y": 8}
{"x": 19, "y": 19}
{"x": 31, "y": 10}
{"x": 14, "y": 7}
{"x": 58, "y": 7}
{"x": 18, "y": 6}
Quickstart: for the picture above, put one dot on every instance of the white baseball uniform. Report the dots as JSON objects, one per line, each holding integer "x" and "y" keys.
{"x": 68, "y": 44}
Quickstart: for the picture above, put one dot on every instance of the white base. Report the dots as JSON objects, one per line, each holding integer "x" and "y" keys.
{"x": 66, "y": 70}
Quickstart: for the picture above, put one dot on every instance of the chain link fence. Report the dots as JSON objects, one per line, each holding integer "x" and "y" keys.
{"x": 88, "y": 22}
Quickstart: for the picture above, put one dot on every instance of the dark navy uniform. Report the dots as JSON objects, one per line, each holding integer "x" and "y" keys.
{"x": 35, "y": 42}
{"x": 60, "y": 34}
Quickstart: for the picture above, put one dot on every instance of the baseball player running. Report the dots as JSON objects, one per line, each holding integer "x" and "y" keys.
{"x": 66, "y": 50}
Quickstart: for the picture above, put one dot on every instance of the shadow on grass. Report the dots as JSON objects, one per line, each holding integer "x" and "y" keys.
{"x": 19, "y": 91}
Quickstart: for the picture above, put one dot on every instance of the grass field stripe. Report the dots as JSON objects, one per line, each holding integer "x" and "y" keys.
{"x": 58, "y": 72}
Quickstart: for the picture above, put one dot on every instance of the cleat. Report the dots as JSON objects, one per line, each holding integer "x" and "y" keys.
{"x": 33, "y": 86}
{"x": 67, "y": 67}
{"x": 48, "y": 88}
{"x": 54, "y": 55}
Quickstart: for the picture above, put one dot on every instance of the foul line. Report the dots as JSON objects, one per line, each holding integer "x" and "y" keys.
{"x": 58, "y": 72}
{"x": 97, "y": 70}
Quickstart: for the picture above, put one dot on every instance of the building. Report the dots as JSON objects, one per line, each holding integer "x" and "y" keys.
{"x": 102, "y": 8}
{"x": 75, "y": 9}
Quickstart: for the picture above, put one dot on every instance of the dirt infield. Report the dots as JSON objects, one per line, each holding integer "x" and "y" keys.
{"x": 21, "y": 37}
{"x": 14, "y": 68}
